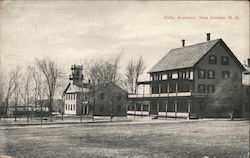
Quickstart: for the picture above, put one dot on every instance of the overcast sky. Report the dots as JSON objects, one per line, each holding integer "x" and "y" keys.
{"x": 73, "y": 31}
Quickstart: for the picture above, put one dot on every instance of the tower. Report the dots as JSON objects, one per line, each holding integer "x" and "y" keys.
{"x": 76, "y": 74}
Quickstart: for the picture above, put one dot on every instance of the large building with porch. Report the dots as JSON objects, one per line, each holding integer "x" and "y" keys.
{"x": 184, "y": 80}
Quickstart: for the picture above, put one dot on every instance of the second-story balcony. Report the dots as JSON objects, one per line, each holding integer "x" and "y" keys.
{"x": 160, "y": 95}
{"x": 158, "y": 89}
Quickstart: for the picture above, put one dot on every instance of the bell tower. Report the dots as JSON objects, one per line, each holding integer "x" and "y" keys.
{"x": 76, "y": 74}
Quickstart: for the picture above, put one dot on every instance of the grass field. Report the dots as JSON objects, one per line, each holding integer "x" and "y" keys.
{"x": 220, "y": 139}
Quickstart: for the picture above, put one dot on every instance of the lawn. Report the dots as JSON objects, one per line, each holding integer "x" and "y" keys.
{"x": 229, "y": 139}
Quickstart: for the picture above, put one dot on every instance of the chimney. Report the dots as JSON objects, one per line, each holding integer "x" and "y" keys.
{"x": 208, "y": 36}
{"x": 183, "y": 43}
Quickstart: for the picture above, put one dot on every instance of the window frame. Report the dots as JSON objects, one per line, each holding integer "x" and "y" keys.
{"x": 199, "y": 73}
{"x": 214, "y": 61}
{"x": 199, "y": 88}
{"x": 213, "y": 74}
{"x": 224, "y": 62}
{"x": 210, "y": 86}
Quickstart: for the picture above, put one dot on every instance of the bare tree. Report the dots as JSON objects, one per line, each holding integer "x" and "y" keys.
{"x": 103, "y": 71}
{"x": 11, "y": 85}
{"x": 51, "y": 74}
{"x": 16, "y": 91}
{"x": 133, "y": 71}
{"x": 2, "y": 84}
{"x": 130, "y": 76}
{"x": 26, "y": 86}
{"x": 37, "y": 85}
{"x": 39, "y": 89}
{"x": 139, "y": 69}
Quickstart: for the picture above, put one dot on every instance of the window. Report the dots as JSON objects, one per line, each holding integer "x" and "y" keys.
{"x": 212, "y": 59}
{"x": 201, "y": 74}
{"x": 164, "y": 77}
{"x": 224, "y": 60}
{"x": 225, "y": 74}
{"x": 66, "y": 107}
{"x": 210, "y": 88}
{"x": 175, "y": 75}
{"x": 70, "y": 106}
{"x": 201, "y": 88}
{"x": 210, "y": 74}
{"x": 102, "y": 96}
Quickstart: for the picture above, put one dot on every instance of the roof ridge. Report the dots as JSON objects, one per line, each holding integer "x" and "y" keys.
{"x": 197, "y": 44}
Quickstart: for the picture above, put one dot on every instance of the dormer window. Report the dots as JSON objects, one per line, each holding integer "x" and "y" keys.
{"x": 224, "y": 60}
{"x": 212, "y": 59}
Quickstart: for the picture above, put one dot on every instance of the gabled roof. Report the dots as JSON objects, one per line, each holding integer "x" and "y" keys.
{"x": 71, "y": 88}
{"x": 189, "y": 56}
{"x": 183, "y": 57}
{"x": 106, "y": 86}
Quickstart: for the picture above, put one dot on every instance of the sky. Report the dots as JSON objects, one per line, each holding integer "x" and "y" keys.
{"x": 71, "y": 32}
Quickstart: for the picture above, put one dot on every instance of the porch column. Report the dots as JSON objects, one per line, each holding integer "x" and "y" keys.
{"x": 176, "y": 88}
{"x": 141, "y": 109}
{"x": 175, "y": 109}
{"x": 150, "y": 90}
{"x": 159, "y": 89}
{"x": 189, "y": 108}
{"x": 149, "y": 108}
{"x": 166, "y": 108}
{"x": 158, "y": 104}
{"x": 168, "y": 89}
{"x": 134, "y": 110}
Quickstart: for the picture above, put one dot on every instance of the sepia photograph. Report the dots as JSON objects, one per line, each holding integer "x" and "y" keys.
{"x": 124, "y": 79}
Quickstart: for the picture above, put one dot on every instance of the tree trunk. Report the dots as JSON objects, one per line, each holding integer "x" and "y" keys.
{"x": 6, "y": 107}
{"x": 231, "y": 115}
